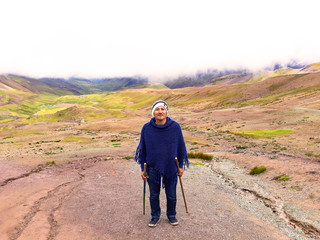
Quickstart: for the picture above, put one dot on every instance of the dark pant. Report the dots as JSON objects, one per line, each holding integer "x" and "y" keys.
{"x": 154, "y": 182}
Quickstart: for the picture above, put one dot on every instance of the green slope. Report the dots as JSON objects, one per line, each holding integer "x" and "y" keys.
{"x": 23, "y": 106}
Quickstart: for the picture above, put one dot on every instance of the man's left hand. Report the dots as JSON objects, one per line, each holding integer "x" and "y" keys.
{"x": 180, "y": 172}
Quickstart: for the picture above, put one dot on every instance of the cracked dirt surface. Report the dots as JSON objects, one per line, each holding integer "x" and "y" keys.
{"x": 100, "y": 198}
{"x": 27, "y": 203}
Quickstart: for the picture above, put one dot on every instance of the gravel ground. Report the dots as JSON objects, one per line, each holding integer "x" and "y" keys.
{"x": 111, "y": 209}
{"x": 96, "y": 199}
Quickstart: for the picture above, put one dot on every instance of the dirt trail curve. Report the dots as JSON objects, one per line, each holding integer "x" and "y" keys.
{"x": 97, "y": 199}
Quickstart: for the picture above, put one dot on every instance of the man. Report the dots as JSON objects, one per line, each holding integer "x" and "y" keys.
{"x": 161, "y": 141}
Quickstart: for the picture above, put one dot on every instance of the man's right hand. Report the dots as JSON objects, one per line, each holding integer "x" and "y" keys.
{"x": 144, "y": 178}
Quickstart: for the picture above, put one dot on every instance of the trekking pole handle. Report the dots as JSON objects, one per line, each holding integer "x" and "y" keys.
{"x": 144, "y": 169}
{"x": 177, "y": 163}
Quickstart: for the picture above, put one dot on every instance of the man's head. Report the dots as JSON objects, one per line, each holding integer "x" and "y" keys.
{"x": 160, "y": 104}
{"x": 160, "y": 112}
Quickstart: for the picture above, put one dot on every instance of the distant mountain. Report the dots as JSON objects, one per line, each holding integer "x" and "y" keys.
{"x": 286, "y": 89}
{"x": 233, "y": 76}
{"x": 205, "y": 78}
{"x": 294, "y": 64}
{"x": 27, "y": 100}
{"x": 108, "y": 84}
{"x": 55, "y": 86}
{"x": 80, "y": 86}
{"x": 72, "y": 86}
{"x": 312, "y": 68}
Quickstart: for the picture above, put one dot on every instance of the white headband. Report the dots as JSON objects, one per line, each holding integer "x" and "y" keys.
{"x": 158, "y": 104}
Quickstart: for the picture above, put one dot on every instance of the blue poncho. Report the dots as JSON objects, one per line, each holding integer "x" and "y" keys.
{"x": 158, "y": 147}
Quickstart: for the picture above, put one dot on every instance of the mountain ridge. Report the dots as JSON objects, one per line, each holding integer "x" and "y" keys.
{"x": 22, "y": 96}
{"x": 80, "y": 86}
{"x": 33, "y": 106}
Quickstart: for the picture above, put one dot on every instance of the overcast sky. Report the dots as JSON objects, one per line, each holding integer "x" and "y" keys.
{"x": 103, "y": 38}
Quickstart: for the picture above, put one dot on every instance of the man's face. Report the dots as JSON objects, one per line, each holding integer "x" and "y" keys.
{"x": 160, "y": 113}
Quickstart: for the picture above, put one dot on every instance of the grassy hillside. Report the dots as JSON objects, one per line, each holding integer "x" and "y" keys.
{"x": 215, "y": 77}
{"x": 73, "y": 86}
{"x": 45, "y": 85}
{"x": 22, "y": 97}
{"x": 21, "y": 105}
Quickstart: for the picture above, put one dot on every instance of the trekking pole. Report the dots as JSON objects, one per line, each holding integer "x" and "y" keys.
{"x": 144, "y": 188}
{"x": 184, "y": 198}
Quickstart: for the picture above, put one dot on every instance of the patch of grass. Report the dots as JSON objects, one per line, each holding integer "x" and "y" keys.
{"x": 200, "y": 155}
{"x": 128, "y": 157}
{"x": 6, "y": 120}
{"x": 8, "y": 137}
{"x": 257, "y": 170}
{"x": 197, "y": 163}
{"x": 72, "y": 138}
{"x": 4, "y": 97}
{"x": 49, "y": 110}
{"x": 264, "y": 133}
{"x": 195, "y": 148}
{"x": 242, "y": 147}
{"x": 312, "y": 155}
{"x": 282, "y": 178}
{"x": 51, "y": 162}
{"x": 5, "y": 128}
{"x": 49, "y": 153}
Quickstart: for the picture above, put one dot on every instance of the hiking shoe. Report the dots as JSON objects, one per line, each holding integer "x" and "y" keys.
{"x": 173, "y": 221}
{"x": 154, "y": 222}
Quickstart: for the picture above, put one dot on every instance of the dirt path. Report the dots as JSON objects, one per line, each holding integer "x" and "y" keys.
{"x": 102, "y": 199}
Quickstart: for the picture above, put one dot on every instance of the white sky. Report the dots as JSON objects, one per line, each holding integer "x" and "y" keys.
{"x": 104, "y": 38}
